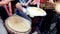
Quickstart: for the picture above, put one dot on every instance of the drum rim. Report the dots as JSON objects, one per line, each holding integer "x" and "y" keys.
{"x": 10, "y": 29}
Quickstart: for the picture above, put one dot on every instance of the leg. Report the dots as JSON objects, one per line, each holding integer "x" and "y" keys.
{"x": 20, "y": 13}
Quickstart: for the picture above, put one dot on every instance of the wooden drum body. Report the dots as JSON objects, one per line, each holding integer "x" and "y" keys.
{"x": 18, "y": 25}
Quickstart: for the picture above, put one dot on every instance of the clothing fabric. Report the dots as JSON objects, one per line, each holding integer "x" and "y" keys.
{"x": 22, "y": 14}
{"x": 3, "y": 13}
{"x": 23, "y": 1}
{"x": 58, "y": 24}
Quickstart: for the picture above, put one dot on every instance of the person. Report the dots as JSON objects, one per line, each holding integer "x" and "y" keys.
{"x": 19, "y": 8}
{"x": 57, "y": 10}
{"x": 3, "y": 16}
{"x": 47, "y": 21}
{"x": 20, "y": 11}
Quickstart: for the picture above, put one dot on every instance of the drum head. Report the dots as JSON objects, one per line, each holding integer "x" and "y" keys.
{"x": 34, "y": 11}
{"x": 17, "y": 23}
{"x": 57, "y": 8}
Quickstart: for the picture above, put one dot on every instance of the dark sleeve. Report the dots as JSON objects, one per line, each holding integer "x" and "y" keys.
{"x": 13, "y": 5}
{"x": 14, "y": 2}
{"x": 3, "y": 13}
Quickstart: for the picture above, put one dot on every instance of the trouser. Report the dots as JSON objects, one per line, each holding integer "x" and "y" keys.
{"x": 2, "y": 28}
{"x": 22, "y": 14}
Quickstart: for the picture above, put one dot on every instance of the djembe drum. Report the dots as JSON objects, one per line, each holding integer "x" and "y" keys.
{"x": 34, "y": 11}
{"x": 36, "y": 15}
{"x": 18, "y": 25}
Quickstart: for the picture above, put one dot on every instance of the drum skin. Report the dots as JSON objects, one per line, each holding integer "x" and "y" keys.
{"x": 57, "y": 7}
{"x": 34, "y": 11}
{"x": 15, "y": 27}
